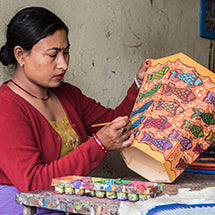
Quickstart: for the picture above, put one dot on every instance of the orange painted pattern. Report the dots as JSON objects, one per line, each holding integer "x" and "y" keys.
{"x": 179, "y": 156}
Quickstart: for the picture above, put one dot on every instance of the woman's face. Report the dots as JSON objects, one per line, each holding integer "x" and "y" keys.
{"x": 46, "y": 64}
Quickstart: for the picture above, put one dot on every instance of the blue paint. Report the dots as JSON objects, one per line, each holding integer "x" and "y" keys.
{"x": 108, "y": 103}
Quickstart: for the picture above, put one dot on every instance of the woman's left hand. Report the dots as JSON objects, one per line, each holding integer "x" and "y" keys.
{"x": 142, "y": 70}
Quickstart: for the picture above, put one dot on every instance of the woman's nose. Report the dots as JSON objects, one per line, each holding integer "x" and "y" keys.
{"x": 63, "y": 62}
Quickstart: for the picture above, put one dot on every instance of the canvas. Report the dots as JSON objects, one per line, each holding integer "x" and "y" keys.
{"x": 172, "y": 118}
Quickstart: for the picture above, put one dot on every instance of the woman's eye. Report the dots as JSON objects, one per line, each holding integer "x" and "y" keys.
{"x": 66, "y": 53}
{"x": 52, "y": 55}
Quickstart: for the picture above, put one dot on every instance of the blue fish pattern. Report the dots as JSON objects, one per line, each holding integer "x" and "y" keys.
{"x": 138, "y": 122}
{"x": 188, "y": 78}
{"x": 141, "y": 109}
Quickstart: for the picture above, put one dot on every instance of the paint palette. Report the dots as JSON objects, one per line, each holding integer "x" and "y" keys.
{"x": 107, "y": 188}
{"x": 173, "y": 118}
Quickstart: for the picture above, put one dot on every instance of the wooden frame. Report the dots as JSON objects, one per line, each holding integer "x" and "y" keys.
{"x": 207, "y": 19}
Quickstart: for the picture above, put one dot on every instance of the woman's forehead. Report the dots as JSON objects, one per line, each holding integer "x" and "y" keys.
{"x": 58, "y": 40}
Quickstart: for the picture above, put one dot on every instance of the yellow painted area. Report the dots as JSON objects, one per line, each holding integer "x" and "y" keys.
{"x": 170, "y": 173}
{"x": 146, "y": 148}
{"x": 187, "y": 61}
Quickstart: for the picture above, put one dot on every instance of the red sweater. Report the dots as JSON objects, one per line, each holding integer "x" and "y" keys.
{"x": 30, "y": 147}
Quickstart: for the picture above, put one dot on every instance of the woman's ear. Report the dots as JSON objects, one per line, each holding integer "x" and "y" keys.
{"x": 19, "y": 54}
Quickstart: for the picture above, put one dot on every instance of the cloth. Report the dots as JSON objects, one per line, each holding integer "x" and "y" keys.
{"x": 9, "y": 207}
{"x": 30, "y": 147}
{"x": 200, "y": 202}
{"x": 181, "y": 209}
{"x": 69, "y": 138}
{"x": 7, "y": 201}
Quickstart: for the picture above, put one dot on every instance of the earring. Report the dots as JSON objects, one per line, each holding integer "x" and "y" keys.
{"x": 21, "y": 64}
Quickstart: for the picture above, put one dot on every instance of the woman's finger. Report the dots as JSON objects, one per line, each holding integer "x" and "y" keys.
{"x": 128, "y": 141}
{"x": 120, "y": 122}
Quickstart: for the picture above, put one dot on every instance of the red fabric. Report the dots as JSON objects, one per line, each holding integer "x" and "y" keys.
{"x": 30, "y": 147}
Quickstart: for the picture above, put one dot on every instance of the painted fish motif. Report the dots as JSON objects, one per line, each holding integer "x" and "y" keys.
{"x": 163, "y": 144}
{"x": 198, "y": 149}
{"x": 211, "y": 137}
{"x": 149, "y": 93}
{"x": 159, "y": 123}
{"x": 141, "y": 109}
{"x": 172, "y": 107}
{"x": 186, "y": 143}
{"x": 182, "y": 164}
{"x": 138, "y": 122}
{"x": 196, "y": 130}
{"x": 208, "y": 118}
{"x": 186, "y": 95}
{"x": 158, "y": 75}
{"x": 188, "y": 78}
{"x": 136, "y": 132}
{"x": 210, "y": 98}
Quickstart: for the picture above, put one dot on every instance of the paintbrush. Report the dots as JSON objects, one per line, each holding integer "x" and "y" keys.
{"x": 102, "y": 124}
{"x": 123, "y": 130}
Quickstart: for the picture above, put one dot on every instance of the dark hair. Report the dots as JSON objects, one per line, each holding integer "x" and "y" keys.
{"x": 28, "y": 27}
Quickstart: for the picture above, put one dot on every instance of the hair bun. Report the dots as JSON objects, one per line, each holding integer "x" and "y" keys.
{"x": 6, "y": 57}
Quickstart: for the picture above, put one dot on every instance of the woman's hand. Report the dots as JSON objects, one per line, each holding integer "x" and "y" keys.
{"x": 142, "y": 71}
{"x": 116, "y": 135}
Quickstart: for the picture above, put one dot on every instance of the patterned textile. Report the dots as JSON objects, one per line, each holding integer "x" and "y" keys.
{"x": 182, "y": 209}
{"x": 185, "y": 202}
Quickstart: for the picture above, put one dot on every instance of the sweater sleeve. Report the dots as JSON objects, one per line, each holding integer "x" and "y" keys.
{"x": 29, "y": 151}
{"x": 29, "y": 148}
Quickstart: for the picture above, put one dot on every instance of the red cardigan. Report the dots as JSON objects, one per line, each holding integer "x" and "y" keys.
{"x": 30, "y": 147}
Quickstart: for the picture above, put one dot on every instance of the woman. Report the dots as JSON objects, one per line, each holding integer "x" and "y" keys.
{"x": 44, "y": 122}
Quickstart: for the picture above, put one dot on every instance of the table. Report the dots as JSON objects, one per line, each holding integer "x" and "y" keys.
{"x": 92, "y": 205}
{"x": 69, "y": 203}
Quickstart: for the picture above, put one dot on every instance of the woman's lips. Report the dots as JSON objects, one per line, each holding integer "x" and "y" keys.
{"x": 60, "y": 76}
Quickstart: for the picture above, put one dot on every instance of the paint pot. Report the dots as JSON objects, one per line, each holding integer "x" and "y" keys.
{"x": 100, "y": 194}
{"x": 133, "y": 197}
{"x": 144, "y": 197}
{"x": 79, "y": 192}
{"x": 59, "y": 189}
{"x": 111, "y": 195}
{"x": 122, "y": 196}
{"x": 69, "y": 190}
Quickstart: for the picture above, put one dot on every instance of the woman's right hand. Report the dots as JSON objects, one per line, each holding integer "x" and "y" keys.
{"x": 116, "y": 135}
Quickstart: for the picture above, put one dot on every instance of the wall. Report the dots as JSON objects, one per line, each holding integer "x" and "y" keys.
{"x": 109, "y": 41}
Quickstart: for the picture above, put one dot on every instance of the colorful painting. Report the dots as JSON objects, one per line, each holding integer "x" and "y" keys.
{"x": 107, "y": 188}
{"x": 207, "y": 19}
{"x": 173, "y": 118}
